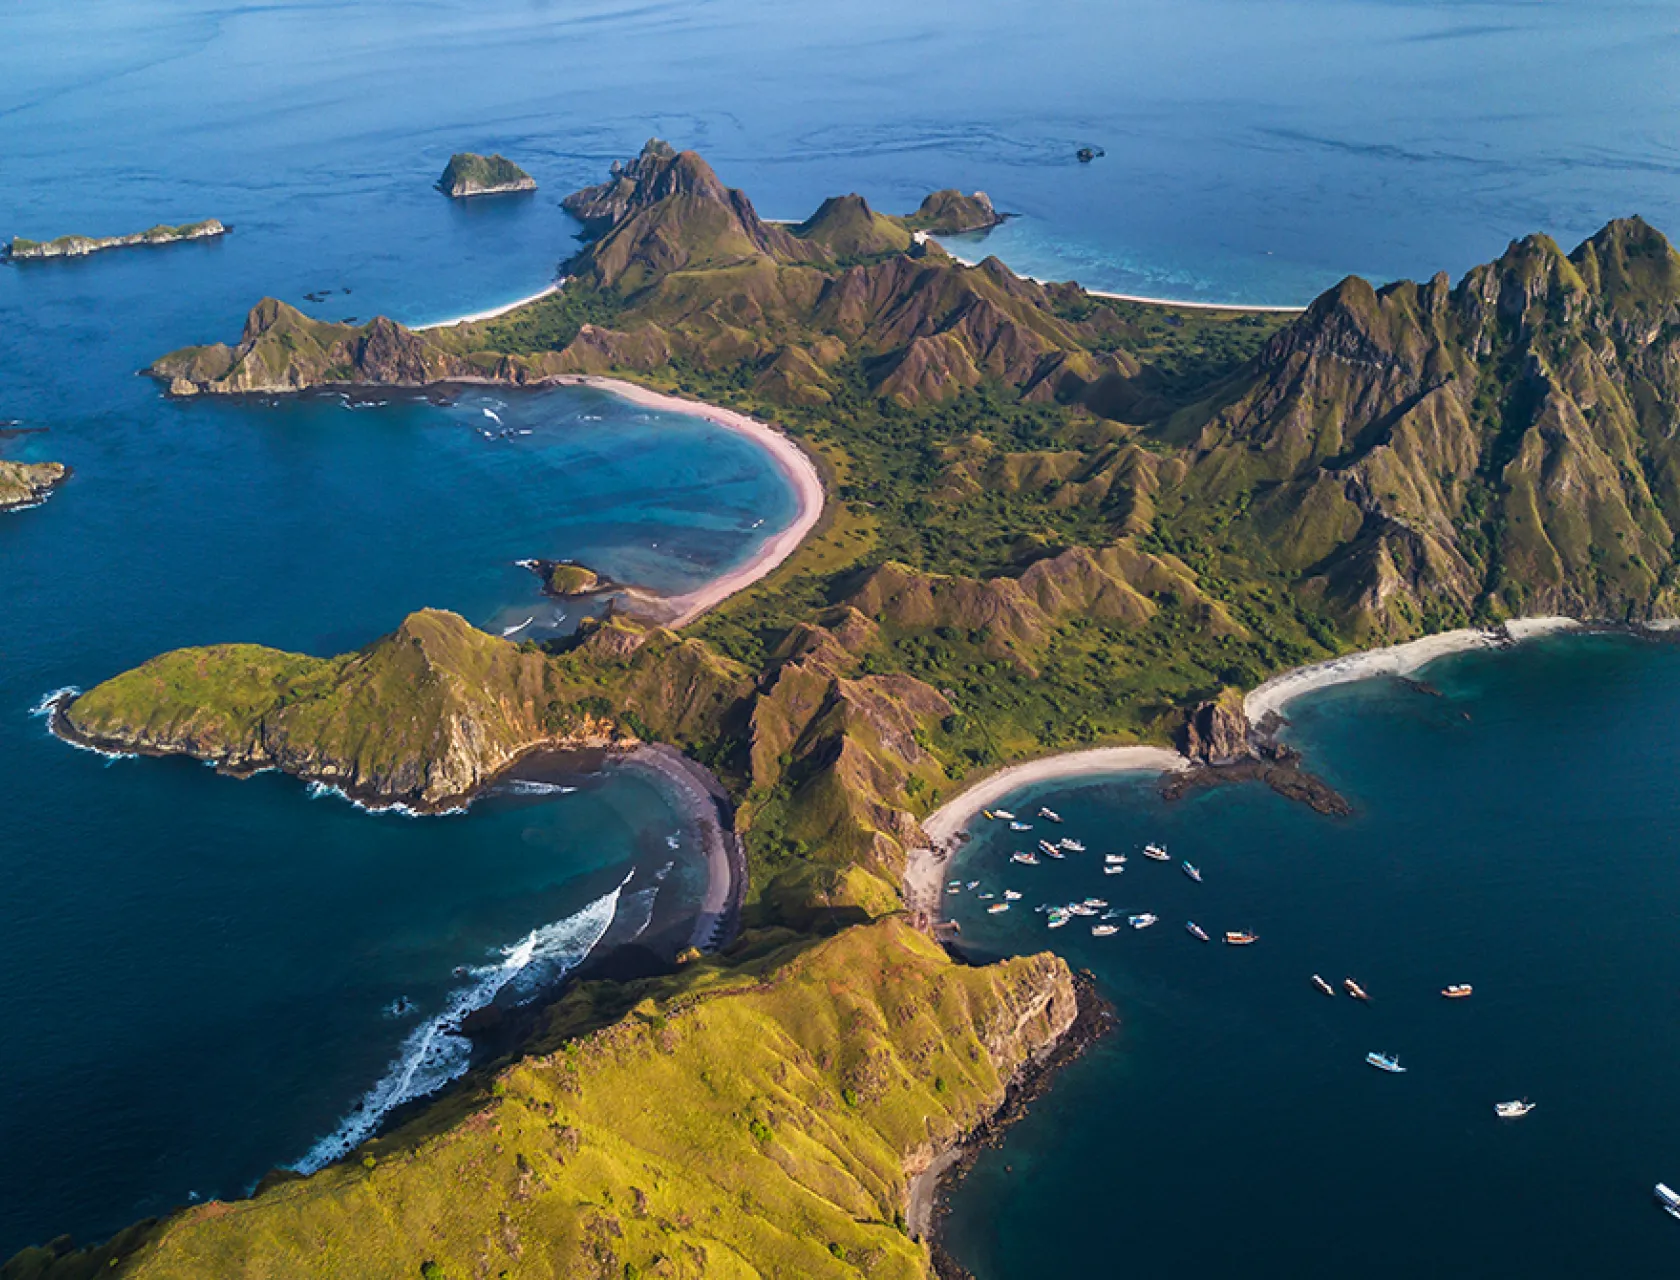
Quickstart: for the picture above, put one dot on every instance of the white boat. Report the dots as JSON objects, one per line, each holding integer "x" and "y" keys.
{"x": 1385, "y": 1062}
{"x": 955, "y": 888}
{"x": 1057, "y": 920}
{"x": 1073, "y": 846}
{"x": 1049, "y": 815}
{"x": 1096, "y": 902}
{"x": 1669, "y": 1199}
{"x": 1156, "y": 852}
{"x": 1192, "y": 873}
{"x": 1057, "y": 854}
{"x": 1114, "y": 859}
{"x": 1112, "y": 871}
{"x": 973, "y": 885}
{"x": 1143, "y": 921}
{"x": 987, "y": 897}
{"x": 1020, "y": 826}
{"x": 1196, "y": 931}
{"x": 1011, "y": 895}
{"x": 997, "y": 907}
{"x": 1513, "y": 1110}
{"x": 1104, "y": 930}
{"x": 1004, "y": 814}
{"x": 1047, "y": 847}
{"x": 1025, "y": 859}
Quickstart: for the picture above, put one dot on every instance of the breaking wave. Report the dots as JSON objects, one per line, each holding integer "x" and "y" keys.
{"x": 436, "y": 1053}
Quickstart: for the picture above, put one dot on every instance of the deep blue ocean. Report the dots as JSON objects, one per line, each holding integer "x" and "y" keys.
{"x": 205, "y": 978}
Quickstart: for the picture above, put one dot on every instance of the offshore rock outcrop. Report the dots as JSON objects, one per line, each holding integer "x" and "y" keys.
{"x": 27, "y": 484}
{"x": 468, "y": 174}
{"x": 22, "y": 250}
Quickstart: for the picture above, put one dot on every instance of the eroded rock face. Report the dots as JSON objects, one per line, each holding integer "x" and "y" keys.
{"x": 1218, "y": 731}
{"x": 24, "y": 484}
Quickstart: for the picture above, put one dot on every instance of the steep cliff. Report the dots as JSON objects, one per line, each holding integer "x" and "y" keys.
{"x": 23, "y": 484}
{"x": 468, "y": 174}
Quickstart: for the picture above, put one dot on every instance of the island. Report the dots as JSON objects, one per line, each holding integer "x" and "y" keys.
{"x": 1063, "y": 531}
{"x": 468, "y": 174}
{"x": 27, "y": 484}
{"x": 564, "y": 579}
{"x": 21, "y": 250}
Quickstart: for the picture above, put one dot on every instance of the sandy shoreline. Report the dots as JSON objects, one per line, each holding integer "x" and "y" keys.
{"x": 924, "y": 868}
{"x": 790, "y": 460}
{"x": 1396, "y": 660}
{"x": 491, "y": 314}
{"x": 706, "y": 806}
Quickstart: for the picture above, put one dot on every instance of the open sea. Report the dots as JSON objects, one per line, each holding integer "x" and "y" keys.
{"x": 201, "y": 979}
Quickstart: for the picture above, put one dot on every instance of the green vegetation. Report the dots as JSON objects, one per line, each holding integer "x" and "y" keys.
{"x": 571, "y": 580}
{"x": 75, "y": 246}
{"x": 1054, "y": 520}
{"x": 794, "y": 1087}
{"x": 468, "y": 174}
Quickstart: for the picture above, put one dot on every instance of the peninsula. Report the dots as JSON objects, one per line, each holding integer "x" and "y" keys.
{"x": 22, "y": 250}
{"x": 27, "y": 484}
{"x": 467, "y": 174}
{"x": 1055, "y": 522}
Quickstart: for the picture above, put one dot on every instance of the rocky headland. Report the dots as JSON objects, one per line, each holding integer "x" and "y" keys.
{"x": 468, "y": 174}
{"x": 22, "y": 250}
{"x": 566, "y": 579}
{"x": 27, "y": 484}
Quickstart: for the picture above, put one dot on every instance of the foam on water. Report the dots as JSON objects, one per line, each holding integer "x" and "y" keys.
{"x": 436, "y": 1053}
{"x": 318, "y": 790}
{"x": 529, "y": 787}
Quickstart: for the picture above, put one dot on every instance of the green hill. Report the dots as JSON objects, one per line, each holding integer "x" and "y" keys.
{"x": 468, "y": 174}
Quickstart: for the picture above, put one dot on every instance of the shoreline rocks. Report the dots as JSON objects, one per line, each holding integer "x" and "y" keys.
{"x": 28, "y": 484}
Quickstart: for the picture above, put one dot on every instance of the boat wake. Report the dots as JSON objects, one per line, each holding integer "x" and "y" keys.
{"x": 436, "y": 1053}
{"x": 511, "y": 631}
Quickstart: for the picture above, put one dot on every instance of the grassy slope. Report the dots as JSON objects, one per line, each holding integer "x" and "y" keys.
{"x": 792, "y": 1089}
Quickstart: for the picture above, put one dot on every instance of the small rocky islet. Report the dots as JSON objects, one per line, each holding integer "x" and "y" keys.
{"x": 76, "y": 246}
{"x": 469, "y": 174}
{"x": 27, "y": 484}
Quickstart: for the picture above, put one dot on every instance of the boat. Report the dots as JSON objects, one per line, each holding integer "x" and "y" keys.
{"x": 1157, "y": 852}
{"x": 1025, "y": 859}
{"x": 1020, "y": 826}
{"x": 1096, "y": 902}
{"x": 973, "y": 885}
{"x": 1113, "y": 871}
{"x": 1354, "y": 989}
{"x": 1047, "y": 847}
{"x": 1323, "y": 986}
{"x": 1073, "y": 846}
{"x": 1458, "y": 991}
{"x": 1143, "y": 921}
{"x": 1104, "y": 930}
{"x": 1055, "y": 853}
{"x": 1049, "y": 815}
{"x": 1513, "y": 1110}
{"x": 1113, "y": 913}
{"x": 956, "y": 888}
{"x": 1004, "y": 814}
{"x": 1115, "y": 859}
{"x": 987, "y": 897}
{"x": 1241, "y": 937}
{"x": 1196, "y": 931}
{"x": 1385, "y": 1062}
{"x": 1011, "y": 896}
{"x": 988, "y": 815}
{"x": 1669, "y": 1199}
{"x": 997, "y": 908}
{"x": 1057, "y": 920}
{"x": 1192, "y": 873}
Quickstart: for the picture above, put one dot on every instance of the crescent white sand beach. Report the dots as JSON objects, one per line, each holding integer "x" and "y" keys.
{"x": 1396, "y": 660}
{"x": 790, "y": 460}
{"x": 492, "y": 313}
{"x": 924, "y": 868}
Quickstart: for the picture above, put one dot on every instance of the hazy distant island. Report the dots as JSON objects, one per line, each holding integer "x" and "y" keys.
{"x": 468, "y": 174}
{"x": 1056, "y": 522}
{"x": 21, "y": 250}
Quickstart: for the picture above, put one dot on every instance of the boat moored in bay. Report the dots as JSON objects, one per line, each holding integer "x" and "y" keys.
{"x": 1241, "y": 937}
{"x": 1156, "y": 852}
{"x": 1196, "y": 931}
{"x": 1354, "y": 989}
{"x": 1323, "y": 986}
{"x": 1192, "y": 873}
{"x": 1385, "y": 1062}
{"x": 1143, "y": 921}
{"x": 1513, "y": 1110}
{"x": 1458, "y": 991}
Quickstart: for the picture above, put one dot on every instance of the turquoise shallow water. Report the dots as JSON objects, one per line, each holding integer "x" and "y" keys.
{"x": 196, "y": 970}
{"x": 1517, "y": 833}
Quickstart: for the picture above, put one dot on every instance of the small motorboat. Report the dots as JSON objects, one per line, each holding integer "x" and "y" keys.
{"x": 1104, "y": 930}
{"x": 1458, "y": 991}
{"x": 1004, "y": 814}
{"x": 1241, "y": 937}
{"x": 1073, "y": 846}
{"x": 973, "y": 885}
{"x": 1196, "y": 931}
{"x": 1323, "y": 986}
{"x": 1113, "y": 871}
{"x": 1354, "y": 989}
{"x": 1192, "y": 873}
{"x": 1011, "y": 896}
{"x": 1096, "y": 902}
{"x": 1385, "y": 1062}
{"x": 1669, "y": 1199}
{"x": 1049, "y": 815}
{"x": 1057, "y": 920}
{"x": 955, "y": 888}
{"x": 1025, "y": 859}
{"x": 1114, "y": 859}
{"x": 988, "y": 815}
{"x": 1513, "y": 1110}
{"x": 1020, "y": 826}
{"x": 1046, "y": 847}
{"x": 997, "y": 908}
{"x": 1156, "y": 852}
{"x": 1055, "y": 853}
{"x": 1143, "y": 921}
